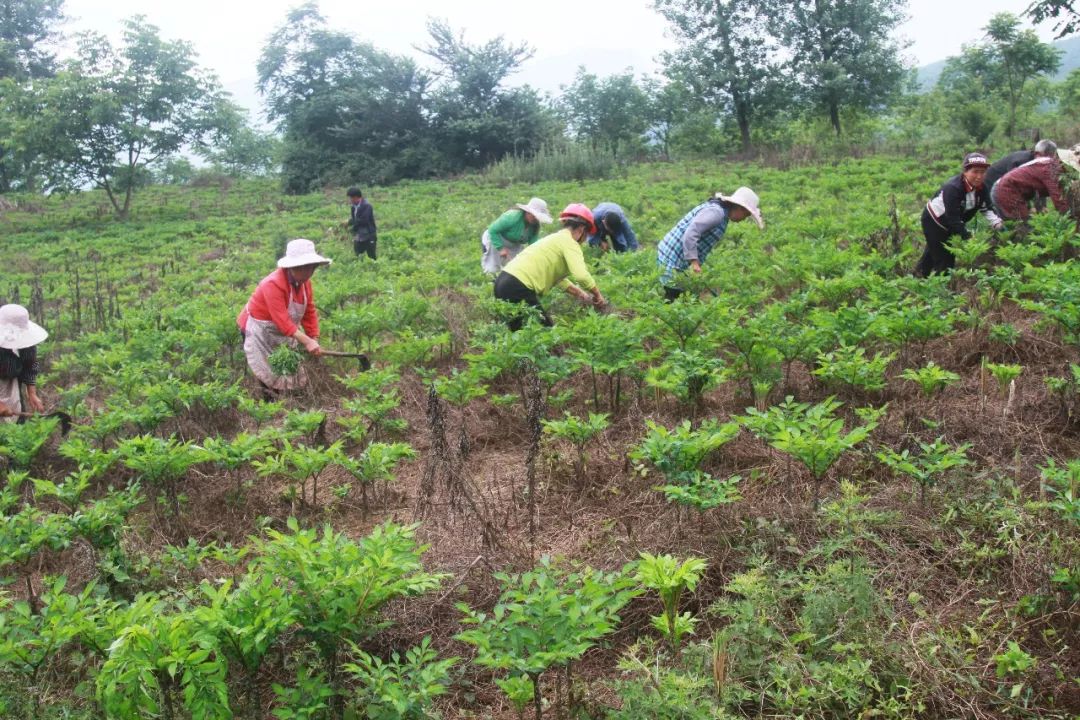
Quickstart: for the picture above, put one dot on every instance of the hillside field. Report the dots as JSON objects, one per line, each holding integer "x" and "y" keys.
{"x": 878, "y": 475}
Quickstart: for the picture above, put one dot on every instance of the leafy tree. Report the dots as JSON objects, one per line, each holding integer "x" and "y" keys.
{"x": 346, "y": 110}
{"x": 1003, "y": 69}
{"x": 26, "y": 32}
{"x": 1066, "y": 17}
{"x": 27, "y": 28}
{"x": 1069, "y": 94}
{"x": 609, "y": 112}
{"x": 726, "y": 57}
{"x": 667, "y": 107}
{"x": 111, "y": 114}
{"x": 238, "y": 148}
{"x": 476, "y": 120}
{"x": 843, "y": 52}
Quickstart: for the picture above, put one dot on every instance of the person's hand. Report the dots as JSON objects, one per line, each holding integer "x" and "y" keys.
{"x": 5, "y": 411}
{"x": 504, "y": 253}
{"x": 599, "y": 301}
{"x": 604, "y": 245}
{"x": 312, "y": 346}
{"x": 695, "y": 266}
{"x": 999, "y": 226}
{"x": 34, "y": 401}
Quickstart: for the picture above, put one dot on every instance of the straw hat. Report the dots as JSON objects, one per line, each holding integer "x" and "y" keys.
{"x": 301, "y": 252}
{"x": 538, "y": 208}
{"x": 746, "y": 198}
{"x": 16, "y": 330}
{"x": 1070, "y": 157}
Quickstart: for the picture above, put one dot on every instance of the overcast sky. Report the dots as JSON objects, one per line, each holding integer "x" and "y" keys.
{"x": 620, "y": 33}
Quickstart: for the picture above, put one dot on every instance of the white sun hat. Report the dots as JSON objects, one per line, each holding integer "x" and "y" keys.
{"x": 1070, "y": 156}
{"x": 538, "y": 208}
{"x": 746, "y": 198}
{"x": 301, "y": 252}
{"x": 16, "y": 330}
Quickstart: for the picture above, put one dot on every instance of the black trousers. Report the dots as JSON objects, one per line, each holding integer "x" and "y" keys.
{"x": 671, "y": 293}
{"x": 936, "y": 258}
{"x": 364, "y": 244}
{"x": 510, "y": 289}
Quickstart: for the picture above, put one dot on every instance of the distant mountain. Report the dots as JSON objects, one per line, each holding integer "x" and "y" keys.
{"x": 1070, "y": 60}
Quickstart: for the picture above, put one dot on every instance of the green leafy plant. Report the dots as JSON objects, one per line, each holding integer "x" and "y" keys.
{"x": 809, "y": 433}
{"x": 300, "y": 463}
{"x": 578, "y": 432}
{"x": 669, "y": 577}
{"x": 1004, "y": 333}
{"x": 545, "y": 618}
{"x": 851, "y": 366}
{"x": 678, "y": 455}
{"x": 931, "y": 379}
{"x": 161, "y": 660}
{"x": 1063, "y": 483}
{"x": 932, "y": 462}
{"x": 247, "y": 621}
{"x": 235, "y": 454}
{"x": 21, "y": 442}
{"x": 686, "y": 374}
{"x": 403, "y": 688}
{"x": 1004, "y": 374}
{"x": 339, "y": 586}
{"x": 375, "y": 464}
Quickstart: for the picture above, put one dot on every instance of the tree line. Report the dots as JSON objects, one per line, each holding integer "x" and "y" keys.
{"x": 745, "y": 74}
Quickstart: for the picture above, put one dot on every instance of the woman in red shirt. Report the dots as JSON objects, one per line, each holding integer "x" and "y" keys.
{"x": 282, "y": 309}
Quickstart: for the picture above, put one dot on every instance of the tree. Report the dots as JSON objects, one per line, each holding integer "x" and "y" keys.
{"x": 241, "y": 150}
{"x": 726, "y": 57}
{"x": 1069, "y": 94}
{"x": 111, "y": 114}
{"x": 1003, "y": 68}
{"x": 843, "y": 52}
{"x": 667, "y": 107}
{"x": 27, "y": 28}
{"x": 347, "y": 111}
{"x": 610, "y": 111}
{"x": 476, "y": 120}
{"x": 1066, "y": 17}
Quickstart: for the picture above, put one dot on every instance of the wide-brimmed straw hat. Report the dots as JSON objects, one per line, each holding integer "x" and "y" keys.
{"x": 301, "y": 252}
{"x": 1070, "y": 156}
{"x": 16, "y": 330}
{"x": 538, "y": 208}
{"x": 744, "y": 197}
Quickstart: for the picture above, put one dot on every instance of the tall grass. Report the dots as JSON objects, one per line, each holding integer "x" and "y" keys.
{"x": 554, "y": 162}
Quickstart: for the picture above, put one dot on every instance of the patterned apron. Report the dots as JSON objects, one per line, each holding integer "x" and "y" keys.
{"x": 10, "y": 396}
{"x": 260, "y": 339}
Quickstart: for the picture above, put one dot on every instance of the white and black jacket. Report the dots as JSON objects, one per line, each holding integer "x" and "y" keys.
{"x": 956, "y": 203}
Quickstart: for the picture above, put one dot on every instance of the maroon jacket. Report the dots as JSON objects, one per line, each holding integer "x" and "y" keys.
{"x": 1017, "y": 187}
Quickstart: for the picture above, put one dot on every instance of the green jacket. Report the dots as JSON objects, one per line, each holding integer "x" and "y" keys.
{"x": 510, "y": 227}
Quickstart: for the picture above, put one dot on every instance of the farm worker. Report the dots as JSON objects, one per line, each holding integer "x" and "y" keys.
{"x": 19, "y": 367}
{"x": 948, "y": 212}
{"x": 511, "y": 232}
{"x": 282, "y": 309}
{"x": 1043, "y": 148}
{"x": 361, "y": 223}
{"x": 688, "y": 243}
{"x": 613, "y": 230}
{"x": 552, "y": 261}
{"x": 1018, "y": 187}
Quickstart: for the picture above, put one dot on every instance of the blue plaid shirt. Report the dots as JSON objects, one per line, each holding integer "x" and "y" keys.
{"x": 669, "y": 253}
